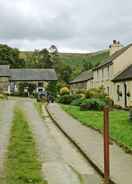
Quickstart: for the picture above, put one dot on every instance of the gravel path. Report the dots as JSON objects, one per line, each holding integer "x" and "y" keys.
{"x": 54, "y": 167}
{"x": 91, "y": 143}
{"x": 6, "y": 116}
{"x": 71, "y": 154}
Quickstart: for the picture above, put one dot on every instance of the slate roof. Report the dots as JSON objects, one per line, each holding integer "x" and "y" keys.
{"x": 32, "y": 74}
{"x": 114, "y": 56}
{"x": 84, "y": 76}
{"x": 27, "y": 74}
{"x": 125, "y": 75}
{"x": 4, "y": 71}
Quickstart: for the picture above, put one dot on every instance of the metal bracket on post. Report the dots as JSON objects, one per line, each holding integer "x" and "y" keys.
{"x": 106, "y": 146}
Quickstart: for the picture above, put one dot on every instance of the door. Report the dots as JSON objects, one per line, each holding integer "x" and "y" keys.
{"x": 125, "y": 94}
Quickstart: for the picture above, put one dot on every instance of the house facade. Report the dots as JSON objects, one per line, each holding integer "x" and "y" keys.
{"x": 83, "y": 82}
{"x": 115, "y": 74}
{"x": 123, "y": 84}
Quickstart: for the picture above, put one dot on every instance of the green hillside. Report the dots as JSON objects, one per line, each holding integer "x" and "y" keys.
{"x": 78, "y": 59}
{"x": 75, "y": 59}
{"x": 25, "y": 54}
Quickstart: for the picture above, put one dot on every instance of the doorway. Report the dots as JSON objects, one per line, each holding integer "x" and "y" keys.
{"x": 125, "y": 94}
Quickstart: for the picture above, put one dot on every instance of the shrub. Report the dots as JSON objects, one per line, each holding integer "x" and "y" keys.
{"x": 77, "y": 102}
{"x": 109, "y": 101}
{"x": 80, "y": 95}
{"x": 81, "y": 91}
{"x": 66, "y": 99}
{"x": 52, "y": 88}
{"x": 64, "y": 91}
{"x": 95, "y": 93}
{"x": 92, "y": 104}
{"x": 3, "y": 96}
{"x": 117, "y": 106}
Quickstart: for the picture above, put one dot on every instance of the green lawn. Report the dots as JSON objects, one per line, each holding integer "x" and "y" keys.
{"x": 120, "y": 128}
{"x": 22, "y": 165}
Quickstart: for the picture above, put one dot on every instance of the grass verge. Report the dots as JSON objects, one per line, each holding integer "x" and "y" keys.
{"x": 22, "y": 165}
{"x": 120, "y": 128}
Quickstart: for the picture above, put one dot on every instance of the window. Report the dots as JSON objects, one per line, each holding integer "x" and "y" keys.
{"x": 40, "y": 84}
{"x": 119, "y": 93}
{"x": 108, "y": 90}
{"x": 97, "y": 75}
{"x": 108, "y": 72}
{"x": 103, "y": 74}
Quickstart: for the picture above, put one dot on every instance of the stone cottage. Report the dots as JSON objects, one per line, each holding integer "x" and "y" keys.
{"x": 82, "y": 82}
{"x": 115, "y": 74}
{"x": 10, "y": 78}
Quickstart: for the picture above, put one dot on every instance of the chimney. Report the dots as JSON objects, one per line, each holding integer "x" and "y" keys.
{"x": 114, "y": 47}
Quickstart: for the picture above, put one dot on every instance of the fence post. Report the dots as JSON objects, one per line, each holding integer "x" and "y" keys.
{"x": 106, "y": 146}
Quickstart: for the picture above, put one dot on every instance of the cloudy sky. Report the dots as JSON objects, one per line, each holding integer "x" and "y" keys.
{"x": 72, "y": 25}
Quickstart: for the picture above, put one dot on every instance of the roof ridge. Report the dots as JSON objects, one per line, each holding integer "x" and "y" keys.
{"x": 119, "y": 76}
{"x": 81, "y": 77}
{"x": 113, "y": 56}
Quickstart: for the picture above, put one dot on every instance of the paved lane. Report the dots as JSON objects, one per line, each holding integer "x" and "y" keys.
{"x": 54, "y": 167}
{"x": 6, "y": 116}
{"x": 70, "y": 153}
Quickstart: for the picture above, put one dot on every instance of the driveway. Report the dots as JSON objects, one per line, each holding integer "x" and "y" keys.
{"x": 6, "y": 117}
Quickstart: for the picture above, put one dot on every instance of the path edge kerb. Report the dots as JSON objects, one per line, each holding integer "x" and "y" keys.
{"x": 99, "y": 170}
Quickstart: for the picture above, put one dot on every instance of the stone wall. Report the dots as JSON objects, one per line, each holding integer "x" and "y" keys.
{"x": 4, "y": 83}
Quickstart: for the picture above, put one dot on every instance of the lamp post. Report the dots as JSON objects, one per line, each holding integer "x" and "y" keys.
{"x": 106, "y": 146}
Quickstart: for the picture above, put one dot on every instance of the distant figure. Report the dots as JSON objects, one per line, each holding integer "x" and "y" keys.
{"x": 50, "y": 98}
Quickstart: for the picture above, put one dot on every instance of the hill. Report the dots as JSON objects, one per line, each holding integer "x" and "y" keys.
{"x": 75, "y": 59}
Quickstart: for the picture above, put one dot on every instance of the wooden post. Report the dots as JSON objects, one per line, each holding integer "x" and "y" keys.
{"x": 106, "y": 146}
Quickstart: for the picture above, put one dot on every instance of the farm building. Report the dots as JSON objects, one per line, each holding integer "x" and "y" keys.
{"x": 9, "y": 78}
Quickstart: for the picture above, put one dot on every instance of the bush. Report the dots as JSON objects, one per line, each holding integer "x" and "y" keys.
{"x": 92, "y": 104}
{"x": 64, "y": 91}
{"x": 117, "y": 106}
{"x": 52, "y": 88}
{"x": 66, "y": 99}
{"x": 109, "y": 101}
{"x": 77, "y": 101}
{"x": 95, "y": 93}
{"x": 81, "y": 91}
{"x": 80, "y": 95}
{"x": 3, "y": 96}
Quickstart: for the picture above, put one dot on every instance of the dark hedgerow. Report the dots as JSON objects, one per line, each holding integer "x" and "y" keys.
{"x": 66, "y": 99}
{"x": 92, "y": 104}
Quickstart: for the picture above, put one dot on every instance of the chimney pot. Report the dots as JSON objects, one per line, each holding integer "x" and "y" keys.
{"x": 114, "y": 41}
{"x": 115, "y": 47}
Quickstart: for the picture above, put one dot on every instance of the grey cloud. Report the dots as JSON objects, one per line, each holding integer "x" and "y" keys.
{"x": 15, "y": 25}
{"x": 82, "y": 25}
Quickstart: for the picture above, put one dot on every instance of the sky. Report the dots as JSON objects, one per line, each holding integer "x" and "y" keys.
{"x": 71, "y": 25}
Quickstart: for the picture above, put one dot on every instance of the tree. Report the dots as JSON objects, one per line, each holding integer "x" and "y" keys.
{"x": 10, "y": 56}
{"x": 45, "y": 60}
{"x": 86, "y": 65}
{"x": 65, "y": 73}
{"x": 52, "y": 88}
{"x": 76, "y": 70}
{"x": 53, "y": 49}
{"x": 55, "y": 58}
{"x": 32, "y": 59}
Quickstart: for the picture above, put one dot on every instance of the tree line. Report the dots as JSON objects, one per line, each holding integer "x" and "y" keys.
{"x": 45, "y": 58}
